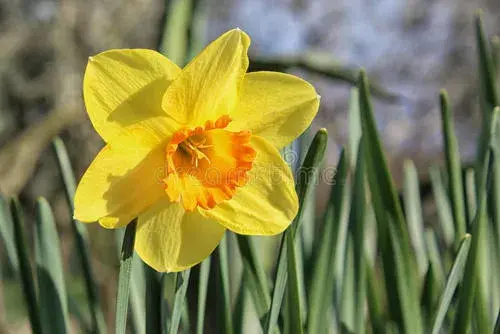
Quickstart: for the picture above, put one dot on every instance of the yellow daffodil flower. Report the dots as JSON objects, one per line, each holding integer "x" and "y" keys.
{"x": 191, "y": 152}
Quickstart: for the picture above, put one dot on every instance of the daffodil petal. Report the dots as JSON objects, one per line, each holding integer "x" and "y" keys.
{"x": 276, "y": 106}
{"x": 268, "y": 203}
{"x": 208, "y": 86}
{"x": 120, "y": 184}
{"x": 123, "y": 90}
{"x": 170, "y": 239}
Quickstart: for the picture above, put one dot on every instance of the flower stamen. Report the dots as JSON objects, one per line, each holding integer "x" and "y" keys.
{"x": 206, "y": 164}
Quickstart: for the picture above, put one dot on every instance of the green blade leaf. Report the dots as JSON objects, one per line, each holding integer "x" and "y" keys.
{"x": 443, "y": 206}
{"x": 357, "y": 229}
{"x": 435, "y": 257}
{"x": 392, "y": 232}
{"x": 125, "y": 274}
{"x": 182, "y": 283}
{"x": 413, "y": 209}
{"x": 7, "y": 235}
{"x": 430, "y": 291}
{"x": 176, "y": 37}
{"x": 51, "y": 288}
{"x": 305, "y": 183}
{"x": 137, "y": 296}
{"x": 224, "y": 279}
{"x": 452, "y": 155}
{"x": 454, "y": 278}
{"x": 374, "y": 299}
{"x": 81, "y": 237}
{"x": 294, "y": 314}
{"x": 470, "y": 291}
{"x": 488, "y": 96}
{"x": 354, "y": 125}
{"x": 25, "y": 267}
{"x": 255, "y": 276}
{"x": 202, "y": 294}
{"x": 153, "y": 299}
{"x": 323, "y": 276}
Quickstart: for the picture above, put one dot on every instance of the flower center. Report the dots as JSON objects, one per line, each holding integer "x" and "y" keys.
{"x": 205, "y": 165}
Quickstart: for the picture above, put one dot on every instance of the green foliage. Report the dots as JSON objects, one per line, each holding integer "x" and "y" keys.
{"x": 365, "y": 265}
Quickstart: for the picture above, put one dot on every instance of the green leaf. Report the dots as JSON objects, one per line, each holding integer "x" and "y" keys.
{"x": 413, "y": 209}
{"x": 308, "y": 174}
{"x": 240, "y": 305}
{"x": 357, "y": 230}
{"x": 392, "y": 232}
{"x": 179, "y": 16}
{"x": 430, "y": 292}
{"x": 322, "y": 284}
{"x": 49, "y": 269}
{"x": 202, "y": 294}
{"x": 182, "y": 283}
{"x": 443, "y": 206}
{"x": 125, "y": 274}
{"x": 294, "y": 314}
{"x": 355, "y": 130}
{"x": 81, "y": 237}
{"x": 154, "y": 298}
{"x": 137, "y": 296}
{"x": 7, "y": 235}
{"x": 224, "y": 279}
{"x": 497, "y": 324}
{"x": 25, "y": 268}
{"x": 374, "y": 299}
{"x": 470, "y": 193}
{"x": 454, "y": 171}
{"x": 435, "y": 257}
{"x": 306, "y": 180}
{"x": 470, "y": 293}
{"x": 255, "y": 276}
{"x": 454, "y": 278}
{"x": 488, "y": 95}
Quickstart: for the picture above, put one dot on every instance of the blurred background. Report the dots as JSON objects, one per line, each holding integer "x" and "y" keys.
{"x": 412, "y": 48}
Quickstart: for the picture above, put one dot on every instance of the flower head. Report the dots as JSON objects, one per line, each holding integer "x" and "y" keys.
{"x": 191, "y": 152}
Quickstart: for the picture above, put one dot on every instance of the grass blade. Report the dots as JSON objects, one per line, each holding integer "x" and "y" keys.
{"x": 470, "y": 194}
{"x": 435, "y": 256}
{"x": 468, "y": 293}
{"x": 413, "y": 209}
{"x": 125, "y": 274}
{"x": 177, "y": 26}
{"x": 255, "y": 275}
{"x": 452, "y": 155}
{"x": 153, "y": 299}
{"x": 443, "y": 206}
{"x": 294, "y": 314}
{"x": 357, "y": 229}
{"x": 182, "y": 283}
{"x": 488, "y": 96}
{"x": 430, "y": 292}
{"x": 393, "y": 240}
{"x": 374, "y": 301}
{"x": 354, "y": 125}
{"x": 323, "y": 276}
{"x": 51, "y": 288}
{"x": 454, "y": 278}
{"x": 224, "y": 279}
{"x": 7, "y": 235}
{"x": 305, "y": 183}
{"x": 137, "y": 296}
{"x": 240, "y": 305}
{"x": 202, "y": 294}
{"x": 25, "y": 267}
{"x": 81, "y": 237}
